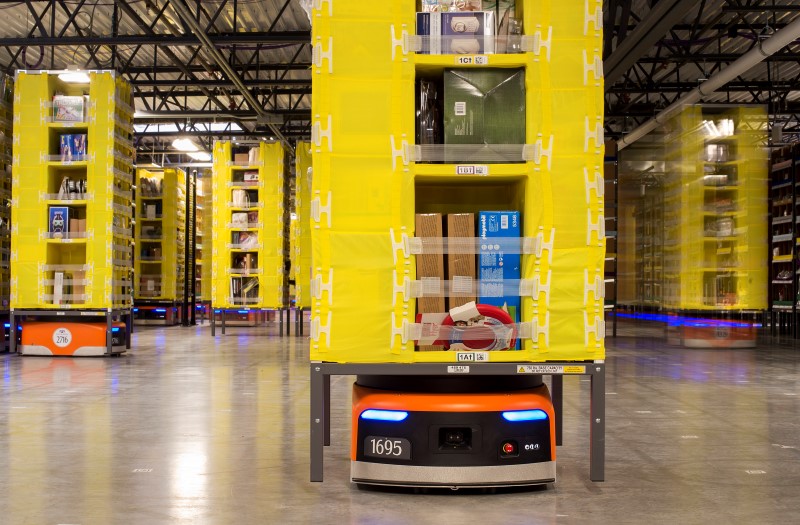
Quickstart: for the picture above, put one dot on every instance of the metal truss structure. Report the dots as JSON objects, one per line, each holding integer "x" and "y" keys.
{"x": 240, "y": 69}
{"x": 655, "y": 51}
{"x": 207, "y": 69}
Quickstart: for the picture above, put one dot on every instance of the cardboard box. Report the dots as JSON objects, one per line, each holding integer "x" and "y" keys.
{"x": 77, "y": 225}
{"x": 58, "y": 223}
{"x": 58, "y": 288}
{"x": 150, "y": 211}
{"x": 68, "y": 109}
{"x": 241, "y": 158}
{"x": 430, "y": 270}
{"x": 461, "y": 258}
{"x": 78, "y": 285}
{"x": 498, "y": 269}
{"x": 457, "y": 32}
{"x": 484, "y": 106}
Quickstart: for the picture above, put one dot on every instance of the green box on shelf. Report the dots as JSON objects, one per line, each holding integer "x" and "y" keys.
{"x": 484, "y": 106}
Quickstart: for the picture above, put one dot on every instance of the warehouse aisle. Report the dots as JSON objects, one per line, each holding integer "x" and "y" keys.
{"x": 190, "y": 429}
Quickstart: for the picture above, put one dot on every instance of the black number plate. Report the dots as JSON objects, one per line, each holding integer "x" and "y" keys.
{"x": 387, "y": 447}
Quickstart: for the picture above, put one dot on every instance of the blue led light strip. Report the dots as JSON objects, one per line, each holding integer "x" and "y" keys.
{"x": 525, "y": 415}
{"x": 384, "y": 415}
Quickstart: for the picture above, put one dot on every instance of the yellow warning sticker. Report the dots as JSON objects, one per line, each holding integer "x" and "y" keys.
{"x": 551, "y": 369}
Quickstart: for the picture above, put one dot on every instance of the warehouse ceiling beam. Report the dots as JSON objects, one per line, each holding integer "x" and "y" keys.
{"x": 219, "y": 40}
{"x": 763, "y": 50}
{"x": 222, "y": 82}
{"x": 658, "y": 21}
{"x": 169, "y": 53}
{"x": 714, "y": 57}
{"x": 242, "y": 68}
{"x": 214, "y": 54}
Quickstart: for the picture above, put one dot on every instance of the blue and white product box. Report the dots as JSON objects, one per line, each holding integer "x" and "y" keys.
{"x": 72, "y": 147}
{"x": 498, "y": 269}
{"x": 65, "y": 147}
{"x": 58, "y": 222}
{"x": 458, "y": 33}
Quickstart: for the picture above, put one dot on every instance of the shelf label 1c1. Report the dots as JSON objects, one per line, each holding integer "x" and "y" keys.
{"x": 469, "y": 60}
{"x": 463, "y": 169}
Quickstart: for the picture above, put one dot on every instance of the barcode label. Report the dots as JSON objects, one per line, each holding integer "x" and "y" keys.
{"x": 504, "y": 222}
{"x": 431, "y": 286}
{"x": 460, "y": 109}
{"x": 462, "y": 284}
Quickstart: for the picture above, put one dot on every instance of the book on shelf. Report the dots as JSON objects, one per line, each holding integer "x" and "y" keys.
{"x": 246, "y": 262}
{"x": 244, "y": 288}
{"x": 244, "y": 239}
{"x": 72, "y": 146}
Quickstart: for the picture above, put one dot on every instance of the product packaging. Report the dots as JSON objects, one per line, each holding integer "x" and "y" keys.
{"x": 241, "y": 159}
{"x": 59, "y": 222}
{"x": 484, "y": 106}
{"x": 430, "y": 269}
{"x": 461, "y": 258}
{"x": 429, "y": 6}
{"x": 252, "y": 157}
{"x": 429, "y": 113}
{"x": 499, "y": 269}
{"x": 457, "y": 33}
{"x": 67, "y": 109}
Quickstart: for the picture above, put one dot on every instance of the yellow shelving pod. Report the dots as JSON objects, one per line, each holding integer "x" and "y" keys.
{"x": 370, "y": 180}
{"x": 71, "y": 234}
{"x": 6, "y": 156}
{"x": 97, "y": 255}
{"x": 160, "y": 238}
{"x": 715, "y": 209}
{"x": 203, "y": 220}
{"x": 247, "y": 270}
{"x": 301, "y": 253}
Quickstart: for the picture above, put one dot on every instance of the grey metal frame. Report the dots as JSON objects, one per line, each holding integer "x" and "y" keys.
{"x": 320, "y": 414}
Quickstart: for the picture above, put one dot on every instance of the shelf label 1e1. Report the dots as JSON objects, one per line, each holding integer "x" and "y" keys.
{"x": 472, "y": 60}
{"x": 465, "y": 169}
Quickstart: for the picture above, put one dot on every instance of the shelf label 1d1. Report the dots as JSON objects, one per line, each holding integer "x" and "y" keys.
{"x": 464, "y": 169}
{"x": 472, "y": 60}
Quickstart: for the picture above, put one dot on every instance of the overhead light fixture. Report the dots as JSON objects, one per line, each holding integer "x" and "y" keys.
{"x": 202, "y": 156}
{"x": 184, "y": 145}
{"x": 74, "y": 76}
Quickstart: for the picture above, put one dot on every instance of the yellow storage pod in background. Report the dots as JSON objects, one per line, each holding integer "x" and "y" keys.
{"x": 72, "y": 175}
{"x": 301, "y": 256}
{"x": 371, "y": 178}
{"x": 247, "y": 228}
